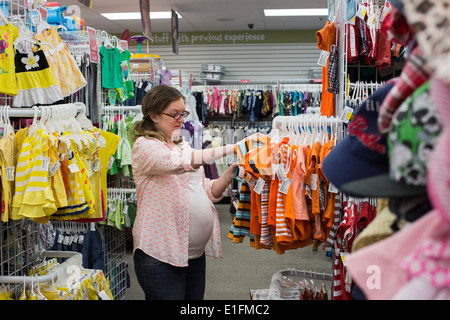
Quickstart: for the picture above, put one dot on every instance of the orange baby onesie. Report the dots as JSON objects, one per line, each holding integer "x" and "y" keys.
{"x": 326, "y": 37}
{"x": 302, "y": 224}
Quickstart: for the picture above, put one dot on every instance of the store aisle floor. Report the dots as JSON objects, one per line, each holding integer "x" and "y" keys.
{"x": 243, "y": 268}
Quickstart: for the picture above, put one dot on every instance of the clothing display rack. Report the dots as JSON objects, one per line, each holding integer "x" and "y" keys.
{"x": 253, "y": 82}
{"x": 276, "y": 284}
{"x": 342, "y": 41}
{"x": 37, "y": 112}
{"x": 25, "y": 243}
{"x": 72, "y": 259}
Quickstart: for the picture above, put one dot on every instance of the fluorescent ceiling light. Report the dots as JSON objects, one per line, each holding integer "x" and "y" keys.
{"x": 295, "y": 12}
{"x": 137, "y": 15}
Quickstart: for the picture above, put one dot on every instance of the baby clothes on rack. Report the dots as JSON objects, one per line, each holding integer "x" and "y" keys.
{"x": 326, "y": 37}
{"x": 111, "y": 70}
{"x": 59, "y": 174}
{"x": 106, "y": 154}
{"x": 8, "y": 34}
{"x": 120, "y": 126}
{"x": 356, "y": 215}
{"x": 295, "y": 102}
{"x": 116, "y": 74}
{"x": 8, "y": 152}
{"x": 84, "y": 284}
{"x": 121, "y": 209}
{"x": 33, "y": 197}
{"x": 88, "y": 94}
{"x": 141, "y": 87}
{"x": 61, "y": 62}
{"x": 123, "y": 154}
{"x": 286, "y": 202}
{"x": 36, "y": 83}
{"x": 126, "y": 74}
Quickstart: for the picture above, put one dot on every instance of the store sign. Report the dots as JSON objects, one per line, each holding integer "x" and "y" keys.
{"x": 124, "y": 44}
{"x": 43, "y": 13}
{"x": 237, "y": 37}
{"x": 93, "y": 45}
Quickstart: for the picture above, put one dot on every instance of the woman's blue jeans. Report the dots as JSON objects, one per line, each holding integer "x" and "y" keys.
{"x": 163, "y": 281}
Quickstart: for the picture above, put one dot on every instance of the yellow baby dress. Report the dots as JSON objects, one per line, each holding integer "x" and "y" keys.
{"x": 89, "y": 156}
{"x": 61, "y": 62}
{"x": 79, "y": 193}
{"x": 8, "y": 154}
{"x": 8, "y": 34}
{"x": 55, "y": 173}
{"x": 33, "y": 197}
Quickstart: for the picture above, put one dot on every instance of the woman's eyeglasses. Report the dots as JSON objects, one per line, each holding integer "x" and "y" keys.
{"x": 178, "y": 116}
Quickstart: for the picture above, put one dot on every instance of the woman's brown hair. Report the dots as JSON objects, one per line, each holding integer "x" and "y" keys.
{"x": 154, "y": 102}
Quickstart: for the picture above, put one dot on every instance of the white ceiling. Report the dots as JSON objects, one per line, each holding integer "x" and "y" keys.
{"x": 202, "y": 15}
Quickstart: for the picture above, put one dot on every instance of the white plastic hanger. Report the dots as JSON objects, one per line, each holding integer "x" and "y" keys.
{"x": 25, "y": 34}
{"x": 85, "y": 123}
{"x": 118, "y": 46}
{"x": 43, "y": 25}
{"x": 33, "y": 127}
{"x": 107, "y": 43}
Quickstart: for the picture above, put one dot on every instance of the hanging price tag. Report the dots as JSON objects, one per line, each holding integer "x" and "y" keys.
{"x": 236, "y": 203}
{"x": 10, "y": 173}
{"x": 323, "y": 58}
{"x": 74, "y": 168}
{"x": 274, "y": 170}
{"x": 280, "y": 173}
{"x": 251, "y": 182}
{"x": 332, "y": 188}
{"x": 110, "y": 162}
{"x": 313, "y": 182}
{"x": 347, "y": 114}
{"x": 352, "y": 21}
{"x": 284, "y": 187}
{"x": 96, "y": 165}
{"x": 45, "y": 163}
{"x": 371, "y": 20}
{"x": 361, "y": 11}
{"x": 54, "y": 168}
{"x": 259, "y": 185}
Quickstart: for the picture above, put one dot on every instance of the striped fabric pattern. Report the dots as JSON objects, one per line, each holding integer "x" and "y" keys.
{"x": 282, "y": 231}
{"x": 266, "y": 236}
{"x": 30, "y": 176}
{"x": 33, "y": 197}
{"x": 241, "y": 222}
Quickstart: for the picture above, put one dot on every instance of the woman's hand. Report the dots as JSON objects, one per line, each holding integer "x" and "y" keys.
{"x": 220, "y": 185}
{"x": 230, "y": 172}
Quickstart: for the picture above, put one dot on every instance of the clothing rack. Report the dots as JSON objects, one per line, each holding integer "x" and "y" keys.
{"x": 333, "y": 125}
{"x": 73, "y": 258}
{"x": 137, "y": 108}
{"x": 37, "y": 111}
{"x": 121, "y": 190}
{"x": 277, "y": 280}
{"x": 251, "y": 82}
{"x": 280, "y": 121}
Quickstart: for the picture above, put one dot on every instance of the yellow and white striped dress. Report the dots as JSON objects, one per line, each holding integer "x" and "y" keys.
{"x": 33, "y": 197}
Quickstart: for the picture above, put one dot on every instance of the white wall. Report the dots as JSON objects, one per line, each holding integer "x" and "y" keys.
{"x": 243, "y": 61}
